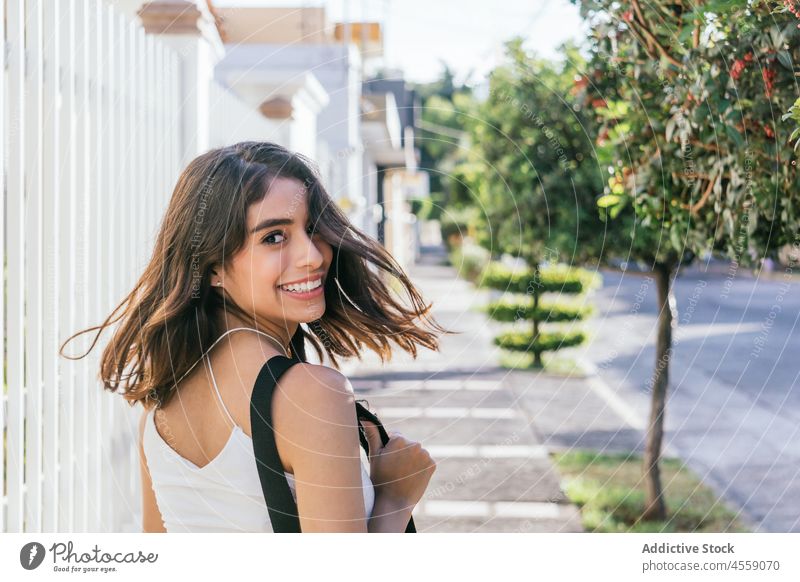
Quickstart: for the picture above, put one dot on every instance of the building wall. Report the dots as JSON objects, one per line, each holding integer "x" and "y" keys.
{"x": 275, "y": 25}
{"x": 337, "y": 68}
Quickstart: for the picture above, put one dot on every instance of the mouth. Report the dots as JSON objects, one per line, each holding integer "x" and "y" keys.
{"x": 306, "y": 290}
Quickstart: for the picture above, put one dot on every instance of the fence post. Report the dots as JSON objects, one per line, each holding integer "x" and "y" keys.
{"x": 188, "y": 28}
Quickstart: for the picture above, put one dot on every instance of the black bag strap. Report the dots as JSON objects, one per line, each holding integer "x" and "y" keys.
{"x": 281, "y": 505}
{"x": 277, "y": 493}
{"x": 362, "y": 413}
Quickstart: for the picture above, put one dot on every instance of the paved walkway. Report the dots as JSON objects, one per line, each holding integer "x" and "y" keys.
{"x": 486, "y": 427}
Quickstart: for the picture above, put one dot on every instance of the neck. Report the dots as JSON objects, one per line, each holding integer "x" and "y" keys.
{"x": 280, "y": 331}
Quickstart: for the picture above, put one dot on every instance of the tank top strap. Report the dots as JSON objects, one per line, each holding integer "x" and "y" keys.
{"x": 216, "y": 389}
{"x": 211, "y": 369}
{"x": 216, "y": 341}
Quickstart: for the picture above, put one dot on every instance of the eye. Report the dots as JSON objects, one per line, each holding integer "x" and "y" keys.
{"x": 267, "y": 239}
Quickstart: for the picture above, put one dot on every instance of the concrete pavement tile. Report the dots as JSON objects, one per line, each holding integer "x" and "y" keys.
{"x": 570, "y": 522}
{"x": 444, "y": 398}
{"x": 464, "y": 431}
{"x": 495, "y": 479}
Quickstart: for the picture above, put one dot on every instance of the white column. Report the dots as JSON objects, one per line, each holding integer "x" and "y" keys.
{"x": 189, "y": 28}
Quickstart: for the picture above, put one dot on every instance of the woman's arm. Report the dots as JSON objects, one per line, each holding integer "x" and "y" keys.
{"x": 152, "y": 522}
{"x": 316, "y": 433}
{"x": 389, "y": 515}
{"x": 400, "y": 472}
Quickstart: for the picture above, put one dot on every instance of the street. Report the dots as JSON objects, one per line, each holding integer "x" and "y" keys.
{"x": 733, "y": 401}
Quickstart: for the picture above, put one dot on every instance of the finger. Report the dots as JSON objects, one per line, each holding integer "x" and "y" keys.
{"x": 373, "y": 437}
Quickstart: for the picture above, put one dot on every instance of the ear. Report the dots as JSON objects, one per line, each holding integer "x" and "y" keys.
{"x": 216, "y": 277}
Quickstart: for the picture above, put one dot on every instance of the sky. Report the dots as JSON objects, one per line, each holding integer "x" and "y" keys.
{"x": 466, "y": 34}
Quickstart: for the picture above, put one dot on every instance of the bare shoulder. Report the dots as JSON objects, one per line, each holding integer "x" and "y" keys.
{"x": 304, "y": 395}
{"x": 248, "y": 353}
{"x": 313, "y": 412}
{"x": 312, "y": 391}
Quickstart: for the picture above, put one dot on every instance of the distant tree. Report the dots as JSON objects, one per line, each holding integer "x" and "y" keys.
{"x": 532, "y": 174}
{"x": 444, "y": 86}
{"x": 524, "y": 290}
{"x": 531, "y": 167}
{"x": 441, "y": 133}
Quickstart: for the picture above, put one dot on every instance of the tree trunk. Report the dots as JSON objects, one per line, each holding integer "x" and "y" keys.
{"x": 655, "y": 509}
{"x": 537, "y": 356}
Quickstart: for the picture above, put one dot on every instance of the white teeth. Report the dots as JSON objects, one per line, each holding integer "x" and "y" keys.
{"x": 303, "y": 287}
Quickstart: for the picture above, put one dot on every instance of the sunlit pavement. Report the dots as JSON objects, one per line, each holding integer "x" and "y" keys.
{"x": 493, "y": 470}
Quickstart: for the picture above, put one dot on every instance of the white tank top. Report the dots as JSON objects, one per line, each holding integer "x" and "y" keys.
{"x": 224, "y": 495}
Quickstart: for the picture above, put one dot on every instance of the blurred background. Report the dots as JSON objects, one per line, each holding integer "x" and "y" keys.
{"x": 599, "y": 196}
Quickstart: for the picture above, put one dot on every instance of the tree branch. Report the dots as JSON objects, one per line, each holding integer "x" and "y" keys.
{"x": 705, "y": 146}
{"x": 704, "y": 198}
{"x": 646, "y": 31}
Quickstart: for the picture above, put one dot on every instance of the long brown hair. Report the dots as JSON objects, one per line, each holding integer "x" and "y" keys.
{"x": 168, "y": 319}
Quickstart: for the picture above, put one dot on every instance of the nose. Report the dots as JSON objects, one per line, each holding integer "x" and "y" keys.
{"x": 309, "y": 253}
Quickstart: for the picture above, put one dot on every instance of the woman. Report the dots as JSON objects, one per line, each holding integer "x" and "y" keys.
{"x": 251, "y": 247}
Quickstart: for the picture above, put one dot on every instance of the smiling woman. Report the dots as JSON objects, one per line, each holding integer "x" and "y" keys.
{"x": 252, "y": 242}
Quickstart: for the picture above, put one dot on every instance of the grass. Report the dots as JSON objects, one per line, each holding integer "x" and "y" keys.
{"x": 609, "y": 490}
{"x": 553, "y": 364}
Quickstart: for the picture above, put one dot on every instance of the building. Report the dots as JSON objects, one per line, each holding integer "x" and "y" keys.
{"x": 287, "y": 74}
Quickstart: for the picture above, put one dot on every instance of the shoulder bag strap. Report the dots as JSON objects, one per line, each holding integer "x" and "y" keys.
{"x": 280, "y": 502}
{"x": 364, "y": 414}
{"x": 281, "y": 505}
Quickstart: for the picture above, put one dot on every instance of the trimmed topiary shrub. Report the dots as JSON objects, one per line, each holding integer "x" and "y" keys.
{"x": 524, "y": 289}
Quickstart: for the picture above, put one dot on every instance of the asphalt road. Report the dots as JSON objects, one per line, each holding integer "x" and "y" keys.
{"x": 734, "y": 399}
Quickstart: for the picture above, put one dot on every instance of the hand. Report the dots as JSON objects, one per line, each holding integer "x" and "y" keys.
{"x": 401, "y": 469}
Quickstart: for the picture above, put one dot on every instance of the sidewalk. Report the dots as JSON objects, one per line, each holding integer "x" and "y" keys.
{"x": 489, "y": 429}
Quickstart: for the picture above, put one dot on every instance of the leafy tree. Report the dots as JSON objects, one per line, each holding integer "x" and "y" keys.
{"x": 532, "y": 173}
{"x": 685, "y": 96}
{"x": 531, "y": 167}
{"x": 440, "y": 136}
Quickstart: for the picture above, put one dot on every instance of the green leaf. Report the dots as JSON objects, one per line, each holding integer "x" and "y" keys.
{"x": 675, "y": 238}
{"x": 608, "y": 200}
{"x": 727, "y": 217}
{"x": 752, "y": 220}
{"x": 734, "y": 135}
{"x": 615, "y": 210}
{"x": 785, "y": 59}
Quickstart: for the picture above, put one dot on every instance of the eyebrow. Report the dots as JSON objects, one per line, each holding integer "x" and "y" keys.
{"x": 268, "y": 222}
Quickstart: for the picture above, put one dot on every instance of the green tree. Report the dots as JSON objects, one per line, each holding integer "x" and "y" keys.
{"x": 531, "y": 167}
{"x": 685, "y": 96}
{"x": 532, "y": 173}
{"x": 440, "y": 135}
{"x": 522, "y": 301}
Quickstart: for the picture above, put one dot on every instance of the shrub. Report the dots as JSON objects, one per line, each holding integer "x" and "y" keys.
{"x": 533, "y": 284}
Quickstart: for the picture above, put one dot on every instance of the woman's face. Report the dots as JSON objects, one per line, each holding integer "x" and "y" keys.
{"x": 279, "y": 250}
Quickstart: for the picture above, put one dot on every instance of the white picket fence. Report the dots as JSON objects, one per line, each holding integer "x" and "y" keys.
{"x": 91, "y": 150}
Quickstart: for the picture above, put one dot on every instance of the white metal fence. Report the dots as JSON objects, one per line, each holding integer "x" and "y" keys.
{"x": 91, "y": 148}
